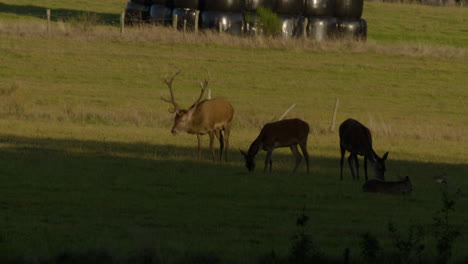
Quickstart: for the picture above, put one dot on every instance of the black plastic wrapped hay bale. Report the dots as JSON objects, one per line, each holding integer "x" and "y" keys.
{"x": 136, "y": 13}
{"x": 321, "y": 28}
{"x": 161, "y": 15}
{"x": 322, "y": 8}
{"x": 225, "y": 21}
{"x": 189, "y": 4}
{"x": 252, "y": 5}
{"x": 291, "y": 26}
{"x": 166, "y": 3}
{"x": 187, "y": 15}
{"x": 143, "y": 2}
{"x": 289, "y": 7}
{"x": 349, "y": 9}
{"x": 352, "y": 29}
{"x": 223, "y": 5}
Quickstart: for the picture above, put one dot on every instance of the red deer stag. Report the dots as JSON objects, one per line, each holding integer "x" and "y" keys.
{"x": 357, "y": 139}
{"x": 403, "y": 186}
{"x": 284, "y": 133}
{"x": 209, "y": 116}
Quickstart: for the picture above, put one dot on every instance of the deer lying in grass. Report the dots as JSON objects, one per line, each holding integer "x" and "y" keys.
{"x": 397, "y": 187}
{"x": 284, "y": 133}
{"x": 357, "y": 139}
{"x": 210, "y": 116}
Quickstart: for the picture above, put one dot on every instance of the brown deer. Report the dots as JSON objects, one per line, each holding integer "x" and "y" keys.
{"x": 357, "y": 139}
{"x": 284, "y": 133}
{"x": 397, "y": 187}
{"x": 209, "y": 116}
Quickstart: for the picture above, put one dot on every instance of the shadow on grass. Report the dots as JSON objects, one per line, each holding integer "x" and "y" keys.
{"x": 63, "y": 185}
{"x": 132, "y": 152}
{"x": 60, "y": 14}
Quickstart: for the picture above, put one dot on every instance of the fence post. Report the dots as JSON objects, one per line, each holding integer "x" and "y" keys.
{"x": 197, "y": 16}
{"x": 220, "y": 27}
{"x": 332, "y": 127}
{"x": 185, "y": 25}
{"x": 48, "y": 21}
{"x": 122, "y": 23}
{"x": 304, "y": 27}
{"x": 174, "y": 22}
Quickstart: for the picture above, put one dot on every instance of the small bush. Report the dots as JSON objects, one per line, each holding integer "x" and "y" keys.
{"x": 268, "y": 22}
{"x": 303, "y": 250}
{"x": 445, "y": 233}
{"x": 410, "y": 247}
{"x": 370, "y": 247}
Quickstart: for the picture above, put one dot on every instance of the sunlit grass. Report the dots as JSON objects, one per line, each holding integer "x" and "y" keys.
{"x": 88, "y": 161}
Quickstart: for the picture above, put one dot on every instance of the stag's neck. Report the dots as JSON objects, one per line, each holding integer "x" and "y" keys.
{"x": 255, "y": 147}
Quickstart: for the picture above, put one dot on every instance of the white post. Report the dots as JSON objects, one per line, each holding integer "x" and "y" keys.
{"x": 287, "y": 111}
{"x": 332, "y": 128}
{"x": 48, "y": 21}
{"x": 174, "y": 22}
{"x": 122, "y": 22}
{"x": 197, "y": 16}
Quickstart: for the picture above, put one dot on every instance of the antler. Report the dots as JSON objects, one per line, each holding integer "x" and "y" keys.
{"x": 172, "y": 100}
{"x": 203, "y": 86}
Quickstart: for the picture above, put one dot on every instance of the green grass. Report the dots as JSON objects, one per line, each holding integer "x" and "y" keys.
{"x": 87, "y": 160}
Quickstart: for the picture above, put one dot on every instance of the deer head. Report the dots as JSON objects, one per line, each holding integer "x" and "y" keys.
{"x": 379, "y": 166}
{"x": 249, "y": 160}
{"x": 183, "y": 117}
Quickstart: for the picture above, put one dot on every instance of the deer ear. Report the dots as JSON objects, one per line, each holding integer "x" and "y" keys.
{"x": 385, "y": 156}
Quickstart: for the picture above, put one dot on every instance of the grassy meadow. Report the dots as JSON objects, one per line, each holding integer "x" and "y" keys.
{"x": 87, "y": 160}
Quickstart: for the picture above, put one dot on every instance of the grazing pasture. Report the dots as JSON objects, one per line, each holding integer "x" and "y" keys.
{"x": 87, "y": 160}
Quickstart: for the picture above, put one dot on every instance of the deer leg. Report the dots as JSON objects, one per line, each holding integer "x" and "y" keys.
{"x": 199, "y": 146}
{"x": 211, "y": 134}
{"x": 306, "y": 155}
{"x": 219, "y": 136}
{"x": 268, "y": 160}
{"x": 365, "y": 167}
{"x": 357, "y": 165}
{"x": 342, "y": 159}
{"x": 297, "y": 155}
{"x": 350, "y": 162}
{"x": 227, "y": 132}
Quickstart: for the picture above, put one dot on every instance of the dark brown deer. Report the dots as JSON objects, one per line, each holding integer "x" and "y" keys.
{"x": 403, "y": 186}
{"x": 209, "y": 116}
{"x": 284, "y": 133}
{"x": 357, "y": 139}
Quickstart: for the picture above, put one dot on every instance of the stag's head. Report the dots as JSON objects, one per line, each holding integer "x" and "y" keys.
{"x": 249, "y": 160}
{"x": 379, "y": 166}
{"x": 182, "y": 117}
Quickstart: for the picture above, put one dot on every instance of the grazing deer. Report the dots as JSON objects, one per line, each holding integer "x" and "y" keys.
{"x": 357, "y": 139}
{"x": 284, "y": 133}
{"x": 398, "y": 187}
{"x": 210, "y": 116}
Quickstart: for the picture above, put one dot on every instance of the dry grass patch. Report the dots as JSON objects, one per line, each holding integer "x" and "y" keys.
{"x": 149, "y": 33}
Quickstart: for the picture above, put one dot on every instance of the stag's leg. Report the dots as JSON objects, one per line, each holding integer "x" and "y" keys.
{"x": 199, "y": 146}
{"x": 365, "y": 166}
{"x": 227, "y": 132}
{"x": 219, "y": 136}
{"x": 211, "y": 134}
{"x": 297, "y": 155}
{"x": 268, "y": 160}
{"x": 306, "y": 155}
{"x": 350, "y": 162}
{"x": 342, "y": 159}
